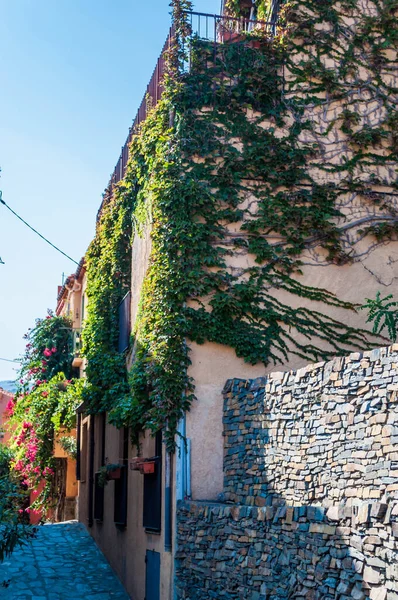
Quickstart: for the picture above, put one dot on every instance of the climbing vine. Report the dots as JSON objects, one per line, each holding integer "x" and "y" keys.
{"x": 237, "y": 159}
{"x": 108, "y": 266}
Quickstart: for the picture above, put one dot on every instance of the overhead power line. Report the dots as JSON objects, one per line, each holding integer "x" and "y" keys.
{"x": 35, "y": 231}
{"x": 10, "y": 360}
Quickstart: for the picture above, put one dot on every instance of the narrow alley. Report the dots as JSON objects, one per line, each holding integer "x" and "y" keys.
{"x": 61, "y": 563}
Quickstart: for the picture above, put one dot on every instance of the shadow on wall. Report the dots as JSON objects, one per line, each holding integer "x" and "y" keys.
{"x": 310, "y": 507}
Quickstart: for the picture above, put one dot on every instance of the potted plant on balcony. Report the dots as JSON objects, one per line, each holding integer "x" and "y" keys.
{"x": 148, "y": 467}
{"x": 135, "y": 463}
{"x": 109, "y": 472}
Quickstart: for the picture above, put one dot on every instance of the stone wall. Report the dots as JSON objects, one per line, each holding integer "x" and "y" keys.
{"x": 327, "y": 433}
{"x": 258, "y": 553}
{"x": 310, "y": 508}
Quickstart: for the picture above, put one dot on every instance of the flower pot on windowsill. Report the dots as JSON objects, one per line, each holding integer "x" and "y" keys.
{"x": 114, "y": 474}
{"x": 77, "y": 362}
{"x": 234, "y": 36}
{"x": 135, "y": 463}
{"x": 148, "y": 467}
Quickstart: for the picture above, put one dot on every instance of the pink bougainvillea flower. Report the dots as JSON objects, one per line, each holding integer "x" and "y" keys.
{"x": 44, "y": 394}
{"x": 47, "y": 471}
{"x": 53, "y": 350}
{"x": 10, "y": 407}
{"x": 47, "y": 352}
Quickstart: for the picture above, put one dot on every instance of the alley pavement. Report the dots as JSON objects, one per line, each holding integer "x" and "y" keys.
{"x": 61, "y": 563}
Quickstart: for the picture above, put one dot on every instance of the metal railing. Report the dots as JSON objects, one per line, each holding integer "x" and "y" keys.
{"x": 213, "y": 28}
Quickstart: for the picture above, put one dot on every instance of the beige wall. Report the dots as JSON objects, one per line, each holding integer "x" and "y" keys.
{"x": 373, "y": 268}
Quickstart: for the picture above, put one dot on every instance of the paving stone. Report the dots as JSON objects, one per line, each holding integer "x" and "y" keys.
{"x": 61, "y": 563}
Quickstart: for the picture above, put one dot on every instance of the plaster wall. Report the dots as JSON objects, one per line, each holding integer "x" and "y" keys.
{"x": 212, "y": 363}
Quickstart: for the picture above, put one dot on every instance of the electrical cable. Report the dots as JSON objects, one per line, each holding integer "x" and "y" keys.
{"x": 34, "y": 230}
{"x": 10, "y": 360}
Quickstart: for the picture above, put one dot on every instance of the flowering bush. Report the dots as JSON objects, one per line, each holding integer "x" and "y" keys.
{"x": 13, "y": 530}
{"x": 45, "y": 403}
{"x": 36, "y": 418}
{"x": 48, "y": 351}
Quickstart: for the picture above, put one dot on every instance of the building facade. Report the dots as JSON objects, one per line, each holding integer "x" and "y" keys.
{"x": 258, "y": 239}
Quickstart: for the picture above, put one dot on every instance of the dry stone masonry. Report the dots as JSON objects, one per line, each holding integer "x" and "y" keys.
{"x": 311, "y": 488}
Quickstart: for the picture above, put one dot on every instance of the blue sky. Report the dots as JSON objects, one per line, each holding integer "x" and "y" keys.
{"x": 73, "y": 73}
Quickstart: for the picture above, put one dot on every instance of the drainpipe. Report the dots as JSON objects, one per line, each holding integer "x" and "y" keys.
{"x": 188, "y": 469}
{"x": 168, "y": 505}
{"x": 91, "y": 473}
{"x": 181, "y": 460}
{"x": 78, "y": 444}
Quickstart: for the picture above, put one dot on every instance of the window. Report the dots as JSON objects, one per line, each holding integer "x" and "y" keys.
{"x": 84, "y": 454}
{"x": 99, "y": 490}
{"x": 124, "y": 323}
{"x": 120, "y": 494}
{"x": 98, "y": 499}
{"x": 153, "y": 491}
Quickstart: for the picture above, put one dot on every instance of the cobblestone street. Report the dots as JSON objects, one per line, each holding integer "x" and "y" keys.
{"x": 62, "y": 563}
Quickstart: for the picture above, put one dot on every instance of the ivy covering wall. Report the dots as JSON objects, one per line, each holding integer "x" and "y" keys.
{"x": 234, "y": 160}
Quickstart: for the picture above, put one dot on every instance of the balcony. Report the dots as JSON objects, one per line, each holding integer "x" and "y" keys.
{"x": 215, "y": 29}
{"x": 77, "y": 345}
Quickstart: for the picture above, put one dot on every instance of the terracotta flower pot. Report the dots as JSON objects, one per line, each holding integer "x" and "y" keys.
{"x": 135, "y": 463}
{"x": 148, "y": 468}
{"x": 115, "y": 474}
